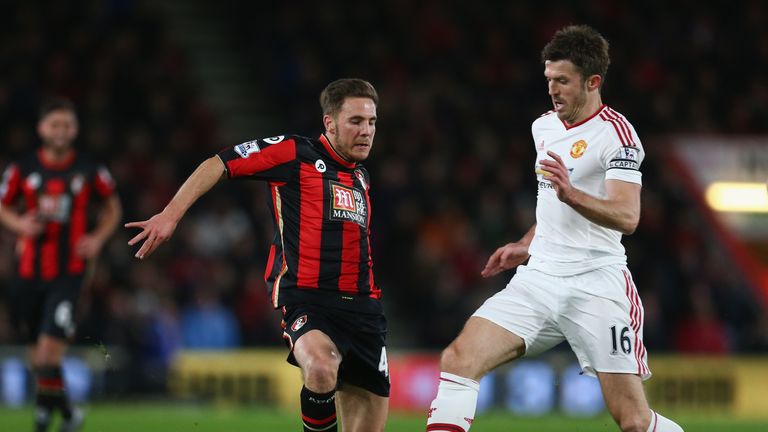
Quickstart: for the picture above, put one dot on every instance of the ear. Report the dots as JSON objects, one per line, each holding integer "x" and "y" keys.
{"x": 330, "y": 125}
{"x": 594, "y": 82}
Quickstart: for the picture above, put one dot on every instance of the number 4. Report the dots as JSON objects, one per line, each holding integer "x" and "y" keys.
{"x": 626, "y": 343}
{"x": 383, "y": 366}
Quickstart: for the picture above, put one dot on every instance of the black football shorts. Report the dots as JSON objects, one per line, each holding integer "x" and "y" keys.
{"x": 44, "y": 307}
{"x": 360, "y": 338}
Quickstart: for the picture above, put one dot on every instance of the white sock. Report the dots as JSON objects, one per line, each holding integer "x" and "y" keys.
{"x": 659, "y": 423}
{"x": 453, "y": 410}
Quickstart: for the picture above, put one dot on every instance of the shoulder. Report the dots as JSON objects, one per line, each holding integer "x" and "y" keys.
{"x": 544, "y": 119}
{"x": 617, "y": 125}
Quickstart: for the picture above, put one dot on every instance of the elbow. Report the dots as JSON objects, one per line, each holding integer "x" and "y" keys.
{"x": 629, "y": 227}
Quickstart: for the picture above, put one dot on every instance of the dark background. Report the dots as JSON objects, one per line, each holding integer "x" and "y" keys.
{"x": 451, "y": 168}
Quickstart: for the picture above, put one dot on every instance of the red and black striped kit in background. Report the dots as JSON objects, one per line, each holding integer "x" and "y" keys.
{"x": 60, "y": 195}
{"x": 321, "y": 253}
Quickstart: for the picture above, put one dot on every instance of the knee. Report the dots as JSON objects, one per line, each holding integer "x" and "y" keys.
{"x": 458, "y": 361}
{"x": 320, "y": 374}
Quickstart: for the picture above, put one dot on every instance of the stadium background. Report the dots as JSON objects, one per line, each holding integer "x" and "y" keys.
{"x": 162, "y": 85}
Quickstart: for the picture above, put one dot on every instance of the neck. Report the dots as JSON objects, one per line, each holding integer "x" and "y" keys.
{"x": 332, "y": 142}
{"x": 55, "y": 155}
{"x": 586, "y": 111}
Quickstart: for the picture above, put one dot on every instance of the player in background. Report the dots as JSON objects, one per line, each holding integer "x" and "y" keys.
{"x": 576, "y": 285}
{"x": 319, "y": 271}
{"x": 56, "y": 245}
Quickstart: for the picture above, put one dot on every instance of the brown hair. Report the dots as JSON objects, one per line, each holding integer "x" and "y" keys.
{"x": 55, "y": 104}
{"x": 334, "y": 94}
{"x": 581, "y": 45}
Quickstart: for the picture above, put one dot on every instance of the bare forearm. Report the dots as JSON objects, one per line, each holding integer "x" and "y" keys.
{"x": 9, "y": 219}
{"x": 528, "y": 237}
{"x": 201, "y": 181}
{"x": 610, "y": 213}
{"x": 109, "y": 218}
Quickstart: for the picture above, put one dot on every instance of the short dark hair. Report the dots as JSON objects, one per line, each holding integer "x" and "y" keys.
{"x": 581, "y": 45}
{"x": 54, "y": 104}
{"x": 333, "y": 95}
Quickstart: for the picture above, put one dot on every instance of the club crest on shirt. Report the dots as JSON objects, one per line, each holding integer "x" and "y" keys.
{"x": 578, "y": 148}
{"x": 299, "y": 323}
{"x": 347, "y": 204}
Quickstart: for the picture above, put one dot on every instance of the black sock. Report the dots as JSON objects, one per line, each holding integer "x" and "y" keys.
{"x": 318, "y": 411}
{"x": 50, "y": 391}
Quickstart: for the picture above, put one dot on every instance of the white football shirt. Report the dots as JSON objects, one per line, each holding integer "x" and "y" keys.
{"x": 602, "y": 147}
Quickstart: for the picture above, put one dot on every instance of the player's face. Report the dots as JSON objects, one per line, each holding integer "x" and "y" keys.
{"x": 58, "y": 129}
{"x": 352, "y": 128}
{"x": 568, "y": 90}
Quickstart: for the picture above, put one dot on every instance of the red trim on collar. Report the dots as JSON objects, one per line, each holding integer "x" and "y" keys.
{"x": 334, "y": 154}
{"x": 567, "y": 126}
{"x": 56, "y": 166}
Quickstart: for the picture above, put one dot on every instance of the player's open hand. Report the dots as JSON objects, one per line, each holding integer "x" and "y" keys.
{"x": 154, "y": 232}
{"x": 506, "y": 257}
{"x": 558, "y": 176}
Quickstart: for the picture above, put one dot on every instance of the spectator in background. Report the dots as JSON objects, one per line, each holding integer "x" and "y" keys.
{"x": 207, "y": 324}
{"x": 56, "y": 248}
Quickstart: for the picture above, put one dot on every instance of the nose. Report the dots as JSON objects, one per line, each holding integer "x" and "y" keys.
{"x": 366, "y": 129}
{"x": 552, "y": 88}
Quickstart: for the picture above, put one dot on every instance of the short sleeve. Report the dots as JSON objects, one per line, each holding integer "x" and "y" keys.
{"x": 103, "y": 182}
{"x": 265, "y": 159}
{"x": 9, "y": 185}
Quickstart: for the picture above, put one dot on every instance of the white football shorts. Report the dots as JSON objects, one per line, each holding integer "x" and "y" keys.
{"x": 598, "y": 312}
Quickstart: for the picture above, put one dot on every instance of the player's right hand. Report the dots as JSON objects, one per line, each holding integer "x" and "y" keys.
{"x": 29, "y": 225}
{"x": 506, "y": 257}
{"x": 155, "y": 232}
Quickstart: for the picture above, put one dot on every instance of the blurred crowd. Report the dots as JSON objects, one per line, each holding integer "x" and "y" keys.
{"x": 452, "y": 164}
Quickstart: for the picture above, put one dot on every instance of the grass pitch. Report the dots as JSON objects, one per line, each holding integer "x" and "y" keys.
{"x": 166, "y": 417}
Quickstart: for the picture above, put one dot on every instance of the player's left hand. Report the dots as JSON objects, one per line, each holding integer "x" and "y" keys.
{"x": 89, "y": 246}
{"x": 558, "y": 176}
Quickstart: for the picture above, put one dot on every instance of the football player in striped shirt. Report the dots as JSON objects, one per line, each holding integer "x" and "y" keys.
{"x": 45, "y": 198}
{"x": 320, "y": 270}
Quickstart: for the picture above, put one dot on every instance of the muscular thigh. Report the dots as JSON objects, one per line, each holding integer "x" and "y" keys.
{"x": 359, "y": 338}
{"x": 527, "y": 307}
{"x": 602, "y": 320}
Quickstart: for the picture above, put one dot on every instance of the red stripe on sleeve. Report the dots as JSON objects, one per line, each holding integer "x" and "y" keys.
{"x": 311, "y": 226}
{"x": 616, "y": 119}
{"x": 263, "y": 160}
{"x": 9, "y": 187}
{"x": 103, "y": 183}
{"x": 350, "y": 248}
{"x": 615, "y": 127}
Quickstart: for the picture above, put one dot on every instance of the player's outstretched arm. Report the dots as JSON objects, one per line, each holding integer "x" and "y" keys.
{"x": 509, "y": 256}
{"x": 160, "y": 227}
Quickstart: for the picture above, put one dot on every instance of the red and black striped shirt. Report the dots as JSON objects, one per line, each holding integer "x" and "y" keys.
{"x": 60, "y": 194}
{"x": 321, "y": 253}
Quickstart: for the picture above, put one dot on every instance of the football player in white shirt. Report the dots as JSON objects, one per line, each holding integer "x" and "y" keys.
{"x": 576, "y": 285}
